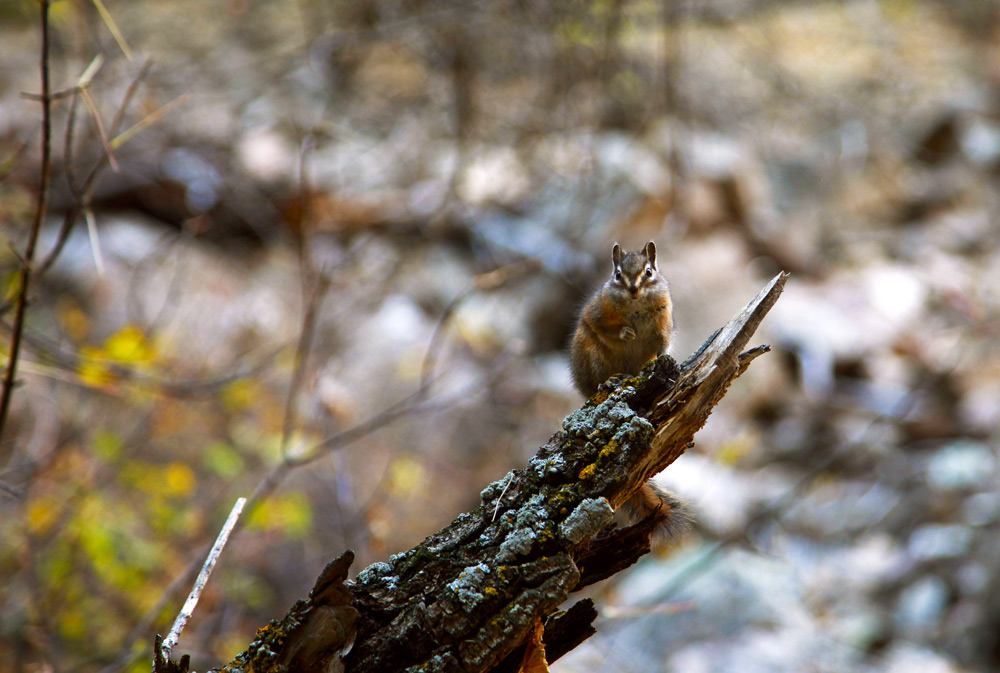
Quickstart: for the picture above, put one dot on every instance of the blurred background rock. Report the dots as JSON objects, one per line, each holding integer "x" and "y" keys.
{"x": 441, "y": 182}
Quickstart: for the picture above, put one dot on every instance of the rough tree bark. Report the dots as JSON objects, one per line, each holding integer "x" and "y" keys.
{"x": 468, "y": 597}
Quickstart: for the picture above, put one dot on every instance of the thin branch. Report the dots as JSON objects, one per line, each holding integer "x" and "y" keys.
{"x": 302, "y": 349}
{"x": 315, "y": 284}
{"x": 150, "y": 119}
{"x": 8, "y": 163}
{"x": 95, "y": 241}
{"x": 95, "y": 114}
{"x": 36, "y": 225}
{"x": 11, "y": 491}
{"x": 129, "y": 93}
{"x": 481, "y": 283}
{"x": 126, "y": 655}
{"x": 82, "y": 192}
{"x": 199, "y": 584}
{"x": 413, "y": 404}
{"x": 113, "y": 27}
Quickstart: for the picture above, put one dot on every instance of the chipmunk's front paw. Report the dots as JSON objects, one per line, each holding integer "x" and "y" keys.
{"x": 611, "y": 383}
{"x": 627, "y": 333}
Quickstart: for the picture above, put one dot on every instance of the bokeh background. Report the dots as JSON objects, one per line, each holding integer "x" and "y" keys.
{"x": 339, "y": 255}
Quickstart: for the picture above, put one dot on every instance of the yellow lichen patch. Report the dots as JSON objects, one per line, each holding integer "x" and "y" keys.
{"x": 562, "y": 495}
{"x": 588, "y": 472}
{"x": 491, "y": 592}
{"x": 610, "y": 448}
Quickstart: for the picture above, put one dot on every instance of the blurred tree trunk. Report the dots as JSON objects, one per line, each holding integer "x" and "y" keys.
{"x": 469, "y": 597}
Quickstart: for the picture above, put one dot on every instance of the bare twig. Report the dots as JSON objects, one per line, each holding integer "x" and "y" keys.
{"x": 413, "y": 404}
{"x": 150, "y": 119}
{"x": 199, "y": 584}
{"x": 113, "y": 27}
{"x": 11, "y": 491}
{"x": 481, "y": 283}
{"x": 81, "y": 192}
{"x": 8, "y": 163}
{"x": 129, "y": 94}
{"x": 315, "y": 283}
{"x": 95, "y": 241}
{"x": 95, "y": 114}
{"x": 126, "y": 655}
{"x": 36, "y": 225}
{"x": 302, "y": 349}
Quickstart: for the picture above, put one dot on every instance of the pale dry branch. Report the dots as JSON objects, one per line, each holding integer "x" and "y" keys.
{"x": 199, "y": 585}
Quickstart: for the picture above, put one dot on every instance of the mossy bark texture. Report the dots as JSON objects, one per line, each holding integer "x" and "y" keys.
{"x": 468, "y": 597}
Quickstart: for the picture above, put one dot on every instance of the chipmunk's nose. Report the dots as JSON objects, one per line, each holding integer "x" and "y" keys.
{"x": 633, "y": 288}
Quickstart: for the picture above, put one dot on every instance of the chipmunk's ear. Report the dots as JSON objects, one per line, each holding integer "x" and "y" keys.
{"x": 616, "y": 255}
{"x": 651, "y": 253}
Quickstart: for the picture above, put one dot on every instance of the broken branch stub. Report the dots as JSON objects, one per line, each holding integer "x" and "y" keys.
{"x": 469, "y": 596}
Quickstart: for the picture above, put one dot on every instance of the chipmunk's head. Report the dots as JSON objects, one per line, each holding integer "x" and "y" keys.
{"x": 635, "y": 271}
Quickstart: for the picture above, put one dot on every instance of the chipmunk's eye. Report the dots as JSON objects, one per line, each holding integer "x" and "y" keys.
{"x": 649, "y": 272}
{"x": 618, "y": 275}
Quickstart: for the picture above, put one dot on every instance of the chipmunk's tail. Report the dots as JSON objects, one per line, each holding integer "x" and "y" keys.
{"x": 651, "y": 499}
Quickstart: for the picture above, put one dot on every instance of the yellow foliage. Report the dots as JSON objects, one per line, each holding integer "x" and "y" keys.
{"x": 73, "y": 320}
{"x": 406, "y": 476}
{"x": 140, "y": 665}
{"x": 63, "y": 12}
{"x": 173, "y": 480}
{"x": 129, "y": 345}
{"x": 225, "y": 648}
{"x": 167, "y": 518}
{"x": 240, "y": 394}
{"x": 42, "y": 514}
{"x": 11, "y": 285}
{"x": 107, "y": 445}
{"x": 72, "y": 625}
{"x": 731, "y": 453}
{"x": 289, "y": 513}
{"x": 179, "y": 479}
{"x": 93, "y": 370}
{"x": 222, "y": 460}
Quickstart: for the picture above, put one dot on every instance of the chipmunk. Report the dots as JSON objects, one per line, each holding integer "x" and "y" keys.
{"x": 624, "y": 325}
